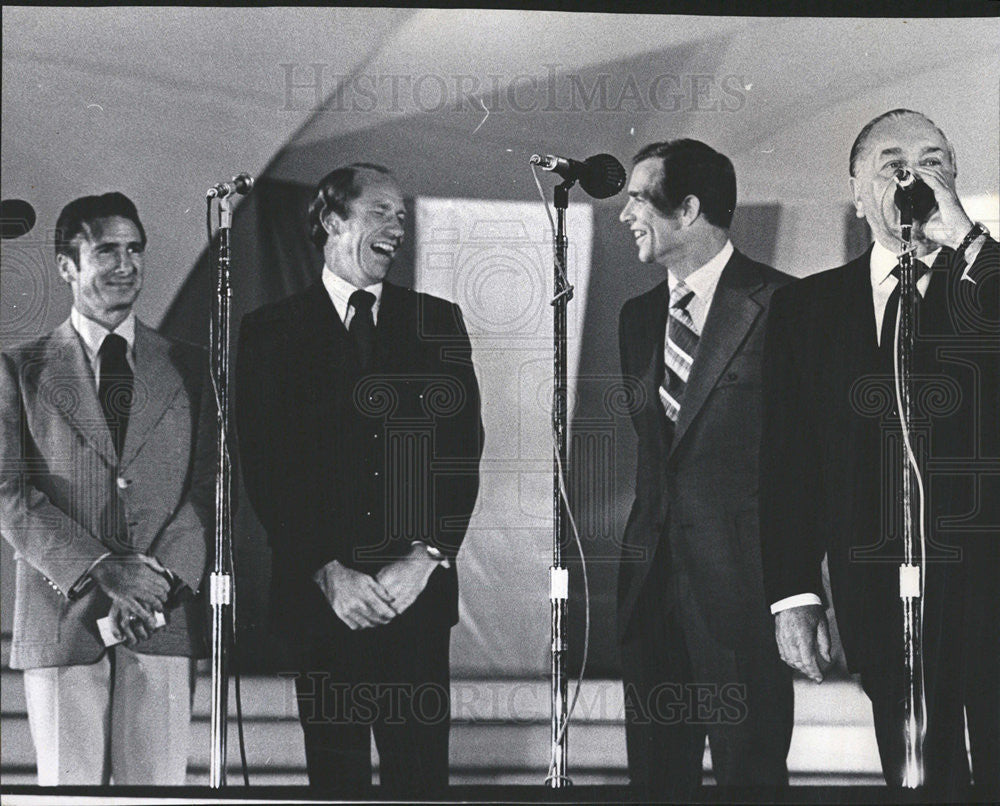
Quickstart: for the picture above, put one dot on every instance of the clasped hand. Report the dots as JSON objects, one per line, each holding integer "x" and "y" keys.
{"x": 362, "y": 601}
{"x": 137, "y": 592}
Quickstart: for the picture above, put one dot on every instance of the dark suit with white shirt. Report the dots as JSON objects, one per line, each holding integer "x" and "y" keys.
{"x": 351, "y": 464}
{"x": 830, "y": 486}
{"x": 697, "y": 643}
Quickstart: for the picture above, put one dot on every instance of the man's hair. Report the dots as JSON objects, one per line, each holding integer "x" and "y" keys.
{"x": 862, "y": 139}
{"x": 77, "y": 220}
{"x": 691, "y": 168}
{"x": 335, "y": 192}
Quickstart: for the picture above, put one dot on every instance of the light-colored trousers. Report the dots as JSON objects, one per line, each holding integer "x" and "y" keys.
{"x": 124, "y": 718}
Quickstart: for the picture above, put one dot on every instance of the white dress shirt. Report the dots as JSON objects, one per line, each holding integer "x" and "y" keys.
{"x": 703, "y": 281}
{"x": 93, "y": 333}
{"x": 340, "y": 295}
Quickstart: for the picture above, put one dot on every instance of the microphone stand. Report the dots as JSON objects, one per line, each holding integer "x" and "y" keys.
{"x": 910, "y": 581}
{"x": 558, "y": 573}
{"x": 221, "y": 587}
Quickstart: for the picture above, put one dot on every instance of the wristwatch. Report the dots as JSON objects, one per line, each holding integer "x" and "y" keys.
{"x": 977, "y": 229}
{"x": 433, "y": 553}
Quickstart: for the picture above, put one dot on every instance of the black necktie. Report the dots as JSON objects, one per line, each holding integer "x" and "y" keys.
{"x": 886, "y": 339}
{"x": 362, "y": 327}
{"x": 115, "y": 387}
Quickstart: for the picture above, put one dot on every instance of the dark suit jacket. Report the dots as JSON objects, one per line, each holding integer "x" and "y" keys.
{"x": 63, "y": 503}
{"x": 341, "y": 464}
{"x": 830, "y": 461}
{"x": 697, "y": 491}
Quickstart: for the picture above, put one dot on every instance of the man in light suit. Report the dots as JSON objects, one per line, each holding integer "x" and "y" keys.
{"x": 698, "y": 653}
{"x": 830, "y": 478}
{"x": 360, "y": 437}
{"x": 106, "y": 495}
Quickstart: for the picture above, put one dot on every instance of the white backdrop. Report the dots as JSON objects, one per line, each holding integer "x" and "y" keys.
{"x": 494, "y": 258}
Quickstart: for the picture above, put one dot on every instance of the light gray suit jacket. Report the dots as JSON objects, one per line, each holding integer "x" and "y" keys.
{"x": 65, "y": 499}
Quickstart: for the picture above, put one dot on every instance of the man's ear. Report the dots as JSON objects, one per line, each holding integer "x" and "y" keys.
{"x": 67, "y": 268}
{"x": 331, "y": 222}
{"x": 859, "y": 208}
{"x": 690, "y": 209}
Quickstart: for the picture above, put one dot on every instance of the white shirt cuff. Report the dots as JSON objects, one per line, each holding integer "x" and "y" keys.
{"x": 970, "y": 256}
{"x": 799, "y": 600}
{"x": 85, "y": 581}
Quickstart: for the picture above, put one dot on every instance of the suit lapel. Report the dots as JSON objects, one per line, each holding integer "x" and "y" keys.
{"x": 157, "y": 382}
{"x": 392, "y": 332}
{"x": 730, "y": 317}
{"x": 66, "y": 384}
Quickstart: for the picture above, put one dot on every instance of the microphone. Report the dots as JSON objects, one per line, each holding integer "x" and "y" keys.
{"x": 913, "y": 194}
{"x": 241, "y": 184}
{"x": 601, "y": 176}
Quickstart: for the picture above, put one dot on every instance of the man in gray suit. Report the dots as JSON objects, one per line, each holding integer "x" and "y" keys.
{"x": 698, "y": 650}
{"x": 107, "y": 444}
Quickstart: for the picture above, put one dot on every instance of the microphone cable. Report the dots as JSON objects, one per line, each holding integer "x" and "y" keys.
{"x": 234, "y": 659}
{"x": 911, "y": 461}
{"x": 572, "y": 521}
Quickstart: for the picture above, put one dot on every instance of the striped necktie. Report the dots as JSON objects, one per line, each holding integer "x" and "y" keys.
{"x": 679, "y": 350}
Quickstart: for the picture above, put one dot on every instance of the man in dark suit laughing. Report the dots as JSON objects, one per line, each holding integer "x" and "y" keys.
{"x": 360, "y": 436}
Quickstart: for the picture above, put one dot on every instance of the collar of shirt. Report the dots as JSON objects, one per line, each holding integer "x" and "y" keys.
{"x": 92, "y": 334}
{"x": 882, "y": 262}
{"x": 703, "y": 282}
{"x": 340, "y": 295}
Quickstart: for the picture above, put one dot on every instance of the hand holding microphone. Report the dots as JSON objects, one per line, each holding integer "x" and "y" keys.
{"x": 931, "y": 192}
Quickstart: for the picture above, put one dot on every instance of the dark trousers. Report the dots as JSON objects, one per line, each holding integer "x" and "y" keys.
{"x": 961, "y": 652}
{"x": 393, "y": 681}
{"x": 680, "y": 685}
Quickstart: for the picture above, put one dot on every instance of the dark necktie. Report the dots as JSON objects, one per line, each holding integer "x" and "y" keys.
{"x": 886, "y": 338}
{"x": 362, "y": 327}
{"x": 115, "y": 388}
{"x": 679, "y": 350}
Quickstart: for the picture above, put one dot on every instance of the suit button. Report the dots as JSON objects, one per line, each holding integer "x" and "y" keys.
{"x": 123, "y": 483}
{"x": 731, "y": 376}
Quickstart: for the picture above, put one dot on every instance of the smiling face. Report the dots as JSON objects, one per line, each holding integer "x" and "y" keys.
{"x": 656, "y": 235}
{"x": 907, "y": 141}
{"x": 360, "y": 248}
{"x": 107, "y": 276}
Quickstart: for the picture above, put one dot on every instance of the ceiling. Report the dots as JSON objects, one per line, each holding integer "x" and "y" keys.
{"x": 161, "y": 103}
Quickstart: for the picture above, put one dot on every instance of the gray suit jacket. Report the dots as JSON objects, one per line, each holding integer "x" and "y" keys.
{"x": 696, "y": 489}
{"x": 65, "y": 500}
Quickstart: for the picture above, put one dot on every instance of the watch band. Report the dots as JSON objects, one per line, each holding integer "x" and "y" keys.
{"x": 977, "y": 230}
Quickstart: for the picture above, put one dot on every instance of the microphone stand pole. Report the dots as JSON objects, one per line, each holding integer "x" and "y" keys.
{"x": 220, "y": 592}
{"x": 910, "y": 581}
{"x": 558, "y": 573}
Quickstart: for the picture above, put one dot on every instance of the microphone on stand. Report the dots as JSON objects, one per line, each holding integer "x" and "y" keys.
{"x": 913, "y": 194}
{"x": 601, "y": 176}
{"x": 241, "y": 184}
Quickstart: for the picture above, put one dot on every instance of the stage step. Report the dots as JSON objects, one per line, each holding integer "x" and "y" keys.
{"x": 500, "y": 733}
